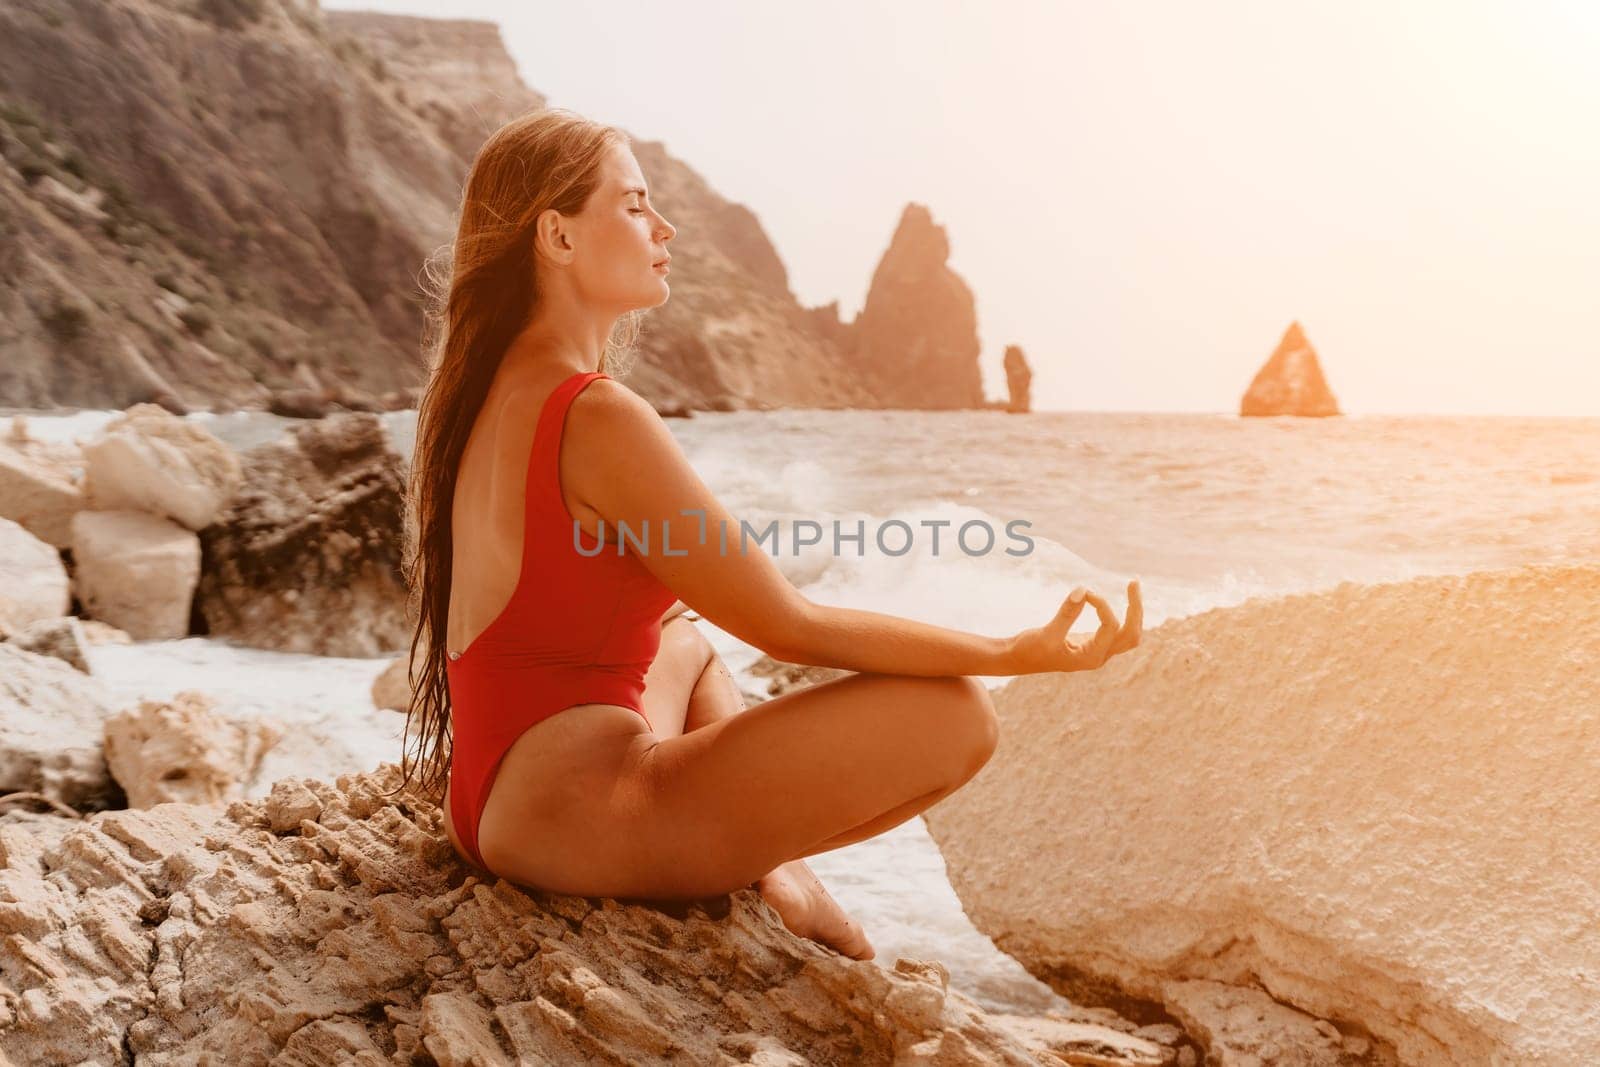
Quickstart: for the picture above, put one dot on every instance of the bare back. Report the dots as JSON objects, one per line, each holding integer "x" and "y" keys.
{"x": 487, "y": 512}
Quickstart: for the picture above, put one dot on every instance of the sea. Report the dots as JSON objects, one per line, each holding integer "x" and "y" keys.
{"x": 1205, "y": 509}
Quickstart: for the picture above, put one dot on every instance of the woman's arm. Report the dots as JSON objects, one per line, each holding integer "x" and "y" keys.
{"x": 856, "y": 640}
{"x": 630, "y": 469}
{"x": 678, "y": 608}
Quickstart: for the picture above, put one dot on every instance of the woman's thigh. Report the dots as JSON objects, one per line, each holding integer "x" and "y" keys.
{"x": 713, "y": 809}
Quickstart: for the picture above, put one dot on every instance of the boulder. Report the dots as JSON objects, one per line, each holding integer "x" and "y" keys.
{"x": 51, "y": 723}
{"x": 300, "y": 403}
{"x": 306, "y": 558}
{"x": 63, "y": 638}
{"x": 136, "y": 571}
{"x": 151, "y": 460}
{"x": 179, "y": 750}
{"x": 33, "y": 581}
{"x": 38, "y": 494}
{"x": 1290, "y": 382}
{"x": 332, "y": 923}
{"x": 391, "y": 690}
{"x": 1373, "y": 804}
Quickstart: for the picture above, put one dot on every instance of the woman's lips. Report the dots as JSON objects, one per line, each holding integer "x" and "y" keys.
{"x": 662, "y": 266}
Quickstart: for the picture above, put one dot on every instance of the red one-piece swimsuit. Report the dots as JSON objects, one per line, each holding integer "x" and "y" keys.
{"x": 580, "y": 628}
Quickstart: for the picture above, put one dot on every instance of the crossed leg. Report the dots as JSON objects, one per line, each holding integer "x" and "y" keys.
{"x": 687, "y": 687}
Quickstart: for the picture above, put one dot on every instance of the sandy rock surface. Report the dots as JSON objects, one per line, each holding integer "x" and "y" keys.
{"x": 332, "y": 923}
{"x": 1375, "y": 804}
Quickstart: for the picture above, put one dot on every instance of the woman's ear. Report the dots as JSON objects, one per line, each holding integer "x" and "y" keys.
{"x": 550, "y": 238}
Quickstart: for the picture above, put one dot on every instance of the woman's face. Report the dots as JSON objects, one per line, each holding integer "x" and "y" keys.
{"x": 619, "y": 241}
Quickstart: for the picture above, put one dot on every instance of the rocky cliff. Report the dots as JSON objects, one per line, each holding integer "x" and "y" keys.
{"x": 213, "y": 204}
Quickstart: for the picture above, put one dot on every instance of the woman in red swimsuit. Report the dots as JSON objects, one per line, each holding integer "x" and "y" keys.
{"x": 589, "y": 739}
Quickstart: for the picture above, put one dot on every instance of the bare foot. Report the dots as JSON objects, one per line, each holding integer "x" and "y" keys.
{"x": 806, "y": 908}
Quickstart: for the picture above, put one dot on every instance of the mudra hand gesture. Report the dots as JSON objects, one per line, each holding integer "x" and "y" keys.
{"x": 1048, "y": 648}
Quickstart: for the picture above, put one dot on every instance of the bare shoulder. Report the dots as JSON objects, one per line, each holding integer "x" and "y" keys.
{"x": 611, "y": 427}
{"x": 613, "y": 404}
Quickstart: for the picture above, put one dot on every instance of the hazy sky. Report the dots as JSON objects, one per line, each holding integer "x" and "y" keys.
{"x": 1145, "y": 195}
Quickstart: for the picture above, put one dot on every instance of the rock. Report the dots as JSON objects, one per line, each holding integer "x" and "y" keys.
{"x": 63, "y": 638}
{"x": 38, "y": 494}
{"x": 1076, "y": 1041}
{"x": 51, "y": 720}
{"x": 178, "y": 750}
{"x": 401, "y": 399}
{"x": 917, "y": 334}
{"x": 333, "y": 923}
{"x": 167, "y": 401}
{"x": 307, "y": 556}
{"x": 391, "y": 690}
{"x": 1361, "y": 802}
{"x": 300, "y": 403}
{"x": 136, "y": 571}
{"x": 351, "y": 399}
{"x": 150, "y": 460}
{"x": 787, "y": 677}
{"x": 1019, "y": 381}
{"x": 100, "y": 633}
{"x": 1290, "y": 382}
{"x": 33, "y": 582}
{"x": 1238, "y": 1026}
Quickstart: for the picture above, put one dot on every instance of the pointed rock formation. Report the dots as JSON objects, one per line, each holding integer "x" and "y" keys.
{"x": 1291, "y": 382}
{"x": 1019, "y": 381}
{"x": 917, "y": 334}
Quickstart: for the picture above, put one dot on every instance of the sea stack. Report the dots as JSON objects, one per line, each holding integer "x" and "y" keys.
{"x": 1291, "y": 382}
{"x": 917, "y": 334}
{"x": 1019, "y": 381}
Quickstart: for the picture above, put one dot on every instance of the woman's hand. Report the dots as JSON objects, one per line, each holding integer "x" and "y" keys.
{"x": 1047, "y": 648}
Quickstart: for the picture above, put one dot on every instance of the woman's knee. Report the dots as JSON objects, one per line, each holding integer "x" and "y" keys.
{"x": 970, "y": 716}
{"x": 957, "y": 712}
{"x": 687, "y": 645}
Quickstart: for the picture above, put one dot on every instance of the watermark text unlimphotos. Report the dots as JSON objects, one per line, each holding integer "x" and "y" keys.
{"x": 892, "y": 537}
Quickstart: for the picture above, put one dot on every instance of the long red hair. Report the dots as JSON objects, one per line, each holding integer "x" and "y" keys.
{"x": 480, "y": 298}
